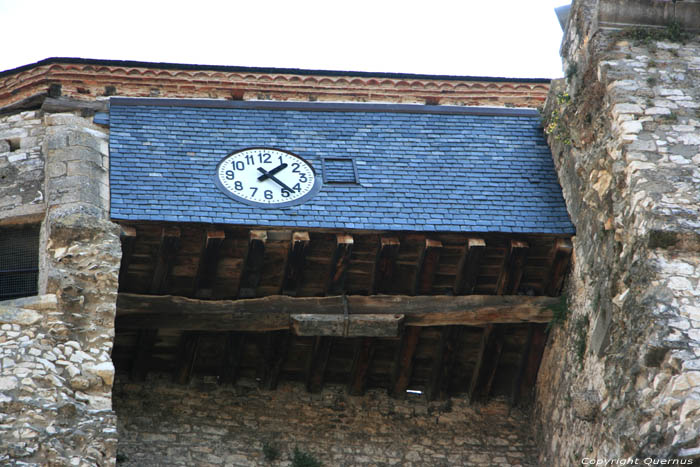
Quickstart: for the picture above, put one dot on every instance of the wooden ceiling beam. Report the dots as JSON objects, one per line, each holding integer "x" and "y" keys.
{"x": 294, "y": 269}
{"x": 560, "y": 257}
{"x": 364, "y": 353}
{"x": 385, "y": 265}
{"x": 403, "y": 365}
{"x": 339, "y": 264}
{"x": 169, "y": 245}
{"x": 427, "y": 264}
{"x": 468, "y": 266}
{"x": 128, "y": 239}
{"x": 253, "y": 264}
{"x": 208, "y": 263}
{"x": 512, "y": 269}
{"x": 271, "y": 313}
{"x": 318, "y": 360}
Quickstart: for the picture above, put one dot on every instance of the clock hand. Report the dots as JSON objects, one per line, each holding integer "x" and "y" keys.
{"x": 275, "y": 179}
{"x": 265, "y": 175}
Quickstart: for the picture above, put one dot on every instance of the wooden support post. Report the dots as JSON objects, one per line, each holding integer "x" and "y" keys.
{"x": 385, "y": 265}
{"x": 317, "y": 363}
{"x": 231, "y": 361}
{"x": 487, "y": 362}
{"x": 539, "y": 340}
{"x": 208, "y": 262}
{"x": 468, "y": 267}
{"x": 145, "y": 340}
{"x": 522, "y": 366}
{"x": 252, "y": 267}
{"x": 128, "y": 239}
{"x": 339, "y": 265}
{"x": 428, "y": 260}
{"x": 274, "y": 356}
{"x": 403, "y": 366}
{"x": 294, "y": 271}
{"x": 187, "y": 357}
{"x": 438, "y": 385}
{"x": 559, "y": 265}
{"x": 169, "y": 244}
{"x": 512, "y": 269}
{"x": 364, "y": 353}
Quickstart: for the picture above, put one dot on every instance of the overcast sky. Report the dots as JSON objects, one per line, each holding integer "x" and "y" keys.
{"x": 512, "y": 38}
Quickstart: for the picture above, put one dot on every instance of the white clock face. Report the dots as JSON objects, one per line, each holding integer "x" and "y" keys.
{"x": 266, "y": 177}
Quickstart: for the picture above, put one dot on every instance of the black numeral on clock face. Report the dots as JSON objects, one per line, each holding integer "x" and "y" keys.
{"x": 264, "y": 158}
{"x": 229, "y": 174}
{"x": 238, "y": 185}
{"x": 268, "y": 194}
{"x": 238, "y": 165}
{"x": 255, "y": 190}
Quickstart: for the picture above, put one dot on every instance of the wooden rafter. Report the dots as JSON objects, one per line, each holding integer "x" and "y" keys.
{"x": 274, "y": 355}
{"x": 253, "y": 264}
{"x": 294, "y": 269}
{"x": 487, "y": 362}
{"x": 468, "y": 267}
{"x": 208, "y": 262}
{"x": 318, "y": 360}
{"x": 403, "y": 366}
{"x": 428, "y": 260}
{"x": 145, "y": 341}
{"x": 385, "y": 265}
{"x": 169, "y": 244}
{"x": 128, "y": 239}
{"x": 187, "y": 357}
{"x": 231, "y": 361}
{"x": 559, "y": 265}
{"x": 339, "y": 264}
{"x": 512, "y": 270}
{"x": 444, "y": 360}
{"x": 364, "y": 353}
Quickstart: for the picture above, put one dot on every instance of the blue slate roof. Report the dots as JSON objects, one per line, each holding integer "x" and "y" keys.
{"x": 420, "y": 168}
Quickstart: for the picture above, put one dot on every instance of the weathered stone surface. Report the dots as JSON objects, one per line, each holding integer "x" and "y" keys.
{"x": 13, "y": 315}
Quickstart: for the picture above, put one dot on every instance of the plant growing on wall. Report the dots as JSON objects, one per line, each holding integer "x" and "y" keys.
{"x": 304, "y": 459}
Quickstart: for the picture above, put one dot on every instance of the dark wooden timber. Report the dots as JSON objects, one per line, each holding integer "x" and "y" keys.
{"x": 559, "y": 265}
{"x": 539, "y": 339}
{"x": 362, "y": 325}
{"x": 339, "y": 265}
{"x": 486, "y": 362}
{"x": 187, "y": 356}
{"x": 512, "y": 270}
{"x": 364, "y": 352}
{"x": 385, "y": 265}
{"x": 272, "y": 313}
{"x": 447, "y": 349}
{"x": 274, "y": 356}
{"x": 403, "y": 366}
{"x": 318, "y": 360}
{"x": 66, "y": 104}
{"x": 128, "y": 239}
{"x": 516, "y": 389}
{"x": 145, "y": 340}
{"x": 252, "y": 267}
{"x": 294, "y": 270}
{"x": 169, "y": 244}
{"x": 428, "y": 260}
{"x": 208, "y": 262}
{"x": 231, "y": 361}
{"x": 468, "y": 267}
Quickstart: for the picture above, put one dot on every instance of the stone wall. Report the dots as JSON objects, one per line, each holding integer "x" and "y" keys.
{"x": 622, "y": 376}
{"x": 204, "y": 424}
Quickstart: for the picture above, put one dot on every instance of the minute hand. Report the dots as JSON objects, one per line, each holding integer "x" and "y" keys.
{"x": 272, "y": 172}
{"x": 275, "y": 179}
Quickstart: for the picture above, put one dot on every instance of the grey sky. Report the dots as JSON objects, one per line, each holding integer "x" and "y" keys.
{"x": 514, "y": 38}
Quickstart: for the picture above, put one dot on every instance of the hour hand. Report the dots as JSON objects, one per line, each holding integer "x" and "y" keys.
{"x": 274, "y": 179}
{"x": 266, "y": 175}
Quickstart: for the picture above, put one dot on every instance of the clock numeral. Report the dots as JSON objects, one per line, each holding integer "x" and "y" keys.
{"x": 296, "y": 167}
{"x": 297, "y": 187}
{"x": 249, "y": 159}
{"x": 238, "y": 165}
{"x": 268, "y": 194}
{"x": 255, "y": 190}
{"x": 238, "y": 185}
{"x": 281, "y": 161}
{"x": 229, "y": 174}
{"x": 264, "y": 158}
{"x": 302, "y": 178}
{"x": 285, "y": 193}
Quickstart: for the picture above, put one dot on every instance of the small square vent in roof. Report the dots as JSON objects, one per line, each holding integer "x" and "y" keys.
{"x": 339, "y": 170}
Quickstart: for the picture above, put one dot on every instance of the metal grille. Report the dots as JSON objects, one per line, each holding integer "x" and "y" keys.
{"x": 19, "y": 261}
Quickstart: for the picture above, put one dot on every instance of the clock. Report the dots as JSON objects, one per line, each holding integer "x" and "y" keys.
{"x": 266, "y": 177}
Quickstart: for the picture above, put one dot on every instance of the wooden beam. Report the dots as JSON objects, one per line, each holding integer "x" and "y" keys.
{"x": 351, "y": 326}
{"x": 135, "y": 311}
{"x": 364, "y": 353}
{"x": 385, "y": 265}
{"x": 318, "y": 360}
{"x": 339, "y": 265}
{"x": 403, "y": 366}
{"x": 559, "y": 265}
{"x": 486, "y": 363}
{"x": 128, "y": 239}
{"x": 208, "y": 262}
{"x": 512, "y": 269}
{"x": 187, "y": 357}
{"x": 231, "y": 361}
{"x": 169, "y": 244}
{"x": 253, "y": 264}
{"x": 468, "y": 266}
{"x": 428, "y": 261}
{"x": 439, "y": 382}
{"x": 537, "y": 345}
{"x": 145, "y": 341}
{"x": 274, "y": 355}
{"x": 294, "y": 270}
{"x": 522, "y": 365}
